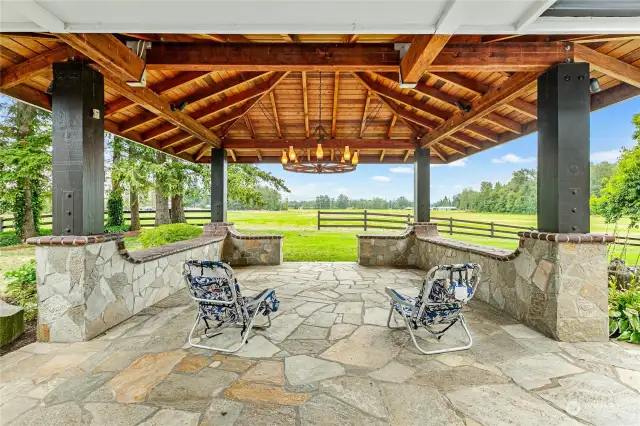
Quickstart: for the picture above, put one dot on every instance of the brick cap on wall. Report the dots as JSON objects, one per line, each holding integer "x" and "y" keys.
{"x": 568, "y": 238}
{"x": 74, "y": 240}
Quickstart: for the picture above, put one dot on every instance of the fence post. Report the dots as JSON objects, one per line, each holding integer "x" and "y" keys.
{"x": 409, "y": 219}
{"x": 492, "y": 235}
{"x": 365, "y": 219}
{"x": 318, "y": 220}
{"x": 1, "y": 224}
{"x": 450, "y": 226}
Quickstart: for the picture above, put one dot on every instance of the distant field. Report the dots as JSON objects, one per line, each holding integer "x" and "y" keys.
{"x": 303, "y": 242}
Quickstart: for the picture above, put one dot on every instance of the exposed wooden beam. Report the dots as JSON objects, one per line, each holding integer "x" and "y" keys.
{"x": 272, "y": 57}
{"x": 612, "y": 96}
{"x": 382, "y": 155}
{"x": 109, "y": 53}
{"x": 187, "y": 146}
{"x": 353, "y": 38}
{"x": 363, "y": 159}
{"x": 247, "y": 121}
{"x": 331, "y": 144}
{"x": 305, "y": 103}
{"x": 204, "y": 150}
{"x": 158, "y": 105}
{"x": 308, "y": 154}
{"x": 160, "y": 87}
{"x": 482, "y": 106}
{"x": 29, "y": 36}
{"x": 29, "y": 95}
{"x": 259, "y": 154}
{"x": 392, "y": 124}
{"x": 333, "y": 153}
{"x": 334, "y": 117}
{"x": 233, "y": 155}
{"x": 506, "y": 57}
{"x": 504, "y": 122}
{"x": 421, "y": 53}
{"x": 275, "y": 114}
{"x": 406, "y": 156}
{"x": 22, "y": 72}
{"x": 436, "y": 150}
{"x": 454, "y": 146}
{"x": 364, "y": 113}
{"x": 530, "y": 110}
{"x": 608, "y": 65}
{"x": 213, "y": 108}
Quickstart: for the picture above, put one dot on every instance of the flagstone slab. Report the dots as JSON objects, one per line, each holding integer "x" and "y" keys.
{"x": 136, "y": 381}
{"x": 629, "y": 377}
{"x": 392, "y": 372}
{"x": 596, "y": 399}
{"x": 302, "y": 369}
{"x": 321, "y": 319}
{"x": 506, "y": 405}
{"x": 361, "y": 393}
{"x": 271, "y": 372}
{"x": 221, "y": 412}
{"x": 173, "y": 418}
{"x": 283, "y": 326}
{"x": 306, "y": 332}
{"x": 262, "y": 393}
{"x": 76, "y": 388}
{"x": 348, "y": 308}
{"x": 609, "y": 353}
{"x": 339, "y": 331}
{"x": 324, "y": 410}
{"x": 192, "y": 363}
{"x": 59, "y": 364}
{"x": 537, "y": 370}
{"x": 267, "y": 415}
{"x": 237, "y": 365}
{"x": 14, "y": 408}
{"x": 68, "y": 414}
{"x": 376, "y": 316}
{"x": 258, "y": 347}
{"x": 357, "y": 348}
{"x": 309, "y": 308}
{"x": 521, "y": 331}
{"x": 190, "y": 392}
{"x": 305, "y": 347}
{"x": 452, "y": 379}
{"x": 117, "y": 414}
{"x": 410, "y": 404}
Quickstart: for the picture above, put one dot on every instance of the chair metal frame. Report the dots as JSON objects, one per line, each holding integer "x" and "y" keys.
{"x": 242, "y": 318}
{"x": 397, "y": 298}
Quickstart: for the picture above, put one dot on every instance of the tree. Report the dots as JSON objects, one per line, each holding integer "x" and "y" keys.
{"x": 25, "y": 164}
{"x": 342, "y": 202}
{"x": 160, "y": 174}
{"x": 115, "y": 203}
{"x": 599, "y": 172}
{"x": 620, "y": 196}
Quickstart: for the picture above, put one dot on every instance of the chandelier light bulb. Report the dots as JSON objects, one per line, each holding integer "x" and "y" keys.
{"x": 284, "y": 159}
{"x": 319, "y": 152}
{"x": 292, "y": 153}
{"x": 347, "y": 154}
{"x": 354, "y": 160}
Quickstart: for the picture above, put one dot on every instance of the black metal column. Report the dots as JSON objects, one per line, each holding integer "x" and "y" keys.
{"x": 563, "y": 149}
{"x": 421, "y": 193}
{"x": 78, "y": 150}
{"x": 218, "y": 185}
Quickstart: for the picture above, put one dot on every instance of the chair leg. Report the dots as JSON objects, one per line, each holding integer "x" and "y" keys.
{"x": 440, "y": 351}
{"x": 389, "y": 319}
{"x": 245, "y": 336}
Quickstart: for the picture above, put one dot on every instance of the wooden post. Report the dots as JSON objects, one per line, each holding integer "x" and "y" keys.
{"x": 492, "y": 234}
{"x": 77, "y": 150}
{"x": 218, "y": 185}
{"x": 1, "y": 224}
{"x": 450, "y": 226}
{"x": 365, "y": 219}
{"x": 421, "y": 171}
{"x": 318, "y": 220}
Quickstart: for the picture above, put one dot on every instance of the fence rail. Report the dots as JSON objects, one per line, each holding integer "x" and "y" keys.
{"x": 446, "y": 225}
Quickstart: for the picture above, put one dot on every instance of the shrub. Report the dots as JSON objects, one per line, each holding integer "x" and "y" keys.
{"x": 21, "y": 289}
{"x": 624, "y": 309}
{"x": 120, "y": 228}
{"x": 166, "y": 234}
{"x": 9, "y": 239}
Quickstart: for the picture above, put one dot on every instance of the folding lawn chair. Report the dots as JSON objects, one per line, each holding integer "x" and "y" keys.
{"x": 214, "y": 286}
{"x": 438, "y": 306}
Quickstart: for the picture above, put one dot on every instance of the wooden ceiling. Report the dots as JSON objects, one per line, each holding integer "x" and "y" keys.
{"x": 255, "y": 95}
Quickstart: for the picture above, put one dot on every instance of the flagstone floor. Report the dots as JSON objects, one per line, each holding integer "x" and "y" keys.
{"x": 328, "y": 359}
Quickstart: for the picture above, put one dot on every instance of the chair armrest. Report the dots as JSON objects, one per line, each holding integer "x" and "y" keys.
{"x": 261, "y": 297}
{"x": 397, "y": 297}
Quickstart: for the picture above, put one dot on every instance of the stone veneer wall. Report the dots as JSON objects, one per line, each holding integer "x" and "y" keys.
{"x": 87, "y": 285}
{"x": 555, "y": 283}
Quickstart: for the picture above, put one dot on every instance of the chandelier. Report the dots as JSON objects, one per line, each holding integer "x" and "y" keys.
{"x": 296, "y": 162}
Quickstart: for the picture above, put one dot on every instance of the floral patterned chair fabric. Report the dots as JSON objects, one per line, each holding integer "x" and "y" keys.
{"x": 214, "y": 287}
{"x": 447, "y": 288}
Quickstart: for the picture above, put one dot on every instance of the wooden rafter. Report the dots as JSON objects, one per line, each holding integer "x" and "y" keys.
{"x": 406, "y": 156}
{"x": 422, "y": 52}
{"x": 382, "y": 155}
{"x": 233, "y": 155}
{"x": 363, "y": 159}
{"x": 259, "y": 154}
{"x": 247, "y": 122}
{"x": 204, "y": 150}
{"x": 305, "y": 102}
{"x": 23, "y": 71}
{"x": 275, "y": 114}
{"x": 352, "y": 38}
{"x": 331, "y": 144}
{"x": 335, "y": 104}
{"x": 109, "y": 53}
{"x": 160, "y": 88}
{"x": 495, "y": 97}
{"x": 392, "y": 125}
{"x": 364, "y": 113}
{"x": 436, "y": 150}
{"x": 608, "y": 65}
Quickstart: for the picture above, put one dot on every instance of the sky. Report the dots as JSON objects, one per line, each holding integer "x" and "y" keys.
{"x": 611, "y": 129}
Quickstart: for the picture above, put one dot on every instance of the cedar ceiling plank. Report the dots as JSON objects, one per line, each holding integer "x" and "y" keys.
{"x": 247, "y": 121}
{"x": 392, "y": 125}
{"x": 421, "y": 53}
{"x": 607, "y": 65}
{"x": 335, "y": 104}
{"x": 493, "y": 99}
{"x": 507, "y": 123}
{"x": 305, "y": 103}
{"x": 109, "y": 53}
{"x": 364, "y": 112}
{"x": 21, "y": 72}
{"x": 272, "y": 57}
{"x": 363, "y": 159}
{"x": 160, "y": 87}
{"x": 375, "y": 144}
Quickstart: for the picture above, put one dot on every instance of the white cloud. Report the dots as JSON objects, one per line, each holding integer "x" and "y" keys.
{"x": 381, "y": 178}
{"x": 401, "y": 170}
{"x": 458, "y": 163}
{"x": 342, "y": 190}
{"x": 610, "y": 156}
{"x": 513, "y": 158}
